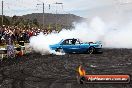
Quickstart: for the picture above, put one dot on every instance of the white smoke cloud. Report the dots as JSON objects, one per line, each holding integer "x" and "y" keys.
{"x": 119, "y": 38}
{"x": 97, "y": 30}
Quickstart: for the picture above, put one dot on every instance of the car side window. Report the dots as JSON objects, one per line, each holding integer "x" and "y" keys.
{"x": 77, "y": 42}
{"x": 66, "y": 42}
{"x": 71, "y": 42}
{"x": 74, "y": 41}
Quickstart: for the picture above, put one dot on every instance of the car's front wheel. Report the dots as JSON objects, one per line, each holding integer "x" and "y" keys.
{"x": 91, "y": 50}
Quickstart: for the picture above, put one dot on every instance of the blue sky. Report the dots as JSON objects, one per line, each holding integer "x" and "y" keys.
{"x": 84, "y": 8}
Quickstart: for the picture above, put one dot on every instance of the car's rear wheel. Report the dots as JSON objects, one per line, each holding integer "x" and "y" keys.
{"x": 91, "y": 50}
{"x": 60, "y": 50}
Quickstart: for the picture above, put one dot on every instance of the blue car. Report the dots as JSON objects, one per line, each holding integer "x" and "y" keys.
{"x": 75, "y": 46}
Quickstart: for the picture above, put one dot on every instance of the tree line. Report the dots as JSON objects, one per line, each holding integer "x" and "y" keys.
{"x": 18, "y": 21}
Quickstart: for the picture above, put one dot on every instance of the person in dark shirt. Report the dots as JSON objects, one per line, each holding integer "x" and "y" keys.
{"x": 74, "y": 41}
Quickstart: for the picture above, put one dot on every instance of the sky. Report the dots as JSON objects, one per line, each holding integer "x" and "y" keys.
{"x": 83, "y": 8}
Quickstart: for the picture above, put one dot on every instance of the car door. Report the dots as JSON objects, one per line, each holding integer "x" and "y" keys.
{"x": 66, "y": 46}
{"x": 75, "y": 48}
{"x": 69, "y": 47}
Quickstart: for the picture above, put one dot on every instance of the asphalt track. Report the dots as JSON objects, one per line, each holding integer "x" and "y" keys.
{"x": 50, "y": 71}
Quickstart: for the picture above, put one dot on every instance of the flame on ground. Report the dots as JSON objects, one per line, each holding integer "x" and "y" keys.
{"x": 81, "y": 71}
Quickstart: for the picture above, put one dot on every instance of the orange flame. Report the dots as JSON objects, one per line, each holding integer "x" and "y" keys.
{"x": 81, "y": 71}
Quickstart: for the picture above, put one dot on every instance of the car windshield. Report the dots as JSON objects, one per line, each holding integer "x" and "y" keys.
{"x": 61, "y": 41}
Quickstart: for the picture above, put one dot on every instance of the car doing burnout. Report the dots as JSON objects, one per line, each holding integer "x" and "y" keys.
{"x": 75, "y": 46}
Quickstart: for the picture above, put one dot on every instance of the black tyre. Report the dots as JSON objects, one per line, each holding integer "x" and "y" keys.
{"x": 91, "y": 50}
{"x": 60, "y": 50}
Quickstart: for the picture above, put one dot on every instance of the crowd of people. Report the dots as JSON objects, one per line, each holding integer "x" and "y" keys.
{"x": 20, "y": 34}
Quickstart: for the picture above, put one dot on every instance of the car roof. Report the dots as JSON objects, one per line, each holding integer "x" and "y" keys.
{"x": 70, "y": 39}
